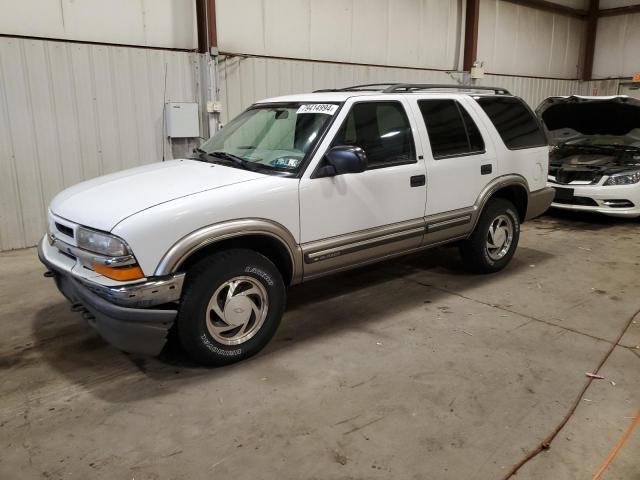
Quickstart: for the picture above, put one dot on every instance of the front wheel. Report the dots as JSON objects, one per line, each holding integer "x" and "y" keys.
{"x": 495, "y": 238}
{"x": 231, "y": 307}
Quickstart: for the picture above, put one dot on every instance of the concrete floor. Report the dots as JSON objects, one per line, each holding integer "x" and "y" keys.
{"x": 407, "y": 369}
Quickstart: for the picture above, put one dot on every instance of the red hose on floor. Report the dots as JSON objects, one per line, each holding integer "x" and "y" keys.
{"x": 546, "y": 443}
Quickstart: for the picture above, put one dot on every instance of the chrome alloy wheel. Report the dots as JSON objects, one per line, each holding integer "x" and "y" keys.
{"x": 237, "y": 310}
{"x": 499, "y": 237}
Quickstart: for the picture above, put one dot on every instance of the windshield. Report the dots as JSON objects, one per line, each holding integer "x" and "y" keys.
{"x": 274, "y": 137}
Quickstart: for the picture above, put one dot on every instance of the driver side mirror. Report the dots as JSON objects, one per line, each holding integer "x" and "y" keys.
{"x": 341, "y": 160}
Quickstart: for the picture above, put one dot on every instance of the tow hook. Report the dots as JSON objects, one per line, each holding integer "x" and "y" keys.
{"x": 49, "y": 274}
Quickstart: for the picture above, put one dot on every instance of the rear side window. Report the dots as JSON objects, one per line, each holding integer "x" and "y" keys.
{"x": 516, "y": 123}
{"x": 382, "y": 130}
{"x": 452, "y": 132}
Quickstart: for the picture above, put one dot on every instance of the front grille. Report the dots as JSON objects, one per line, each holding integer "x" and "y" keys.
{"x": 68, "y": 231}
{"x": 570, "y": 175}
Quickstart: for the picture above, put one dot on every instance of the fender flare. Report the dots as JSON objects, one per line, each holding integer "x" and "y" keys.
{"x": 492, "y": 187}
{"x": 205, "y": 236}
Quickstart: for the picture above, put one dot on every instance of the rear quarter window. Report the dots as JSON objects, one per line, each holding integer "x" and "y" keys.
{"x": 515, "y": 122}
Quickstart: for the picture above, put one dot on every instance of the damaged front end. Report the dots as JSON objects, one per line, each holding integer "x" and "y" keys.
{"x": 594, "y": 160}
{"x": 586, "y": 163}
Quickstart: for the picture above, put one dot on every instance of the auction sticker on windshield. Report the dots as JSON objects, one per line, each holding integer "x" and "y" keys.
{"x": 327, "y": 108}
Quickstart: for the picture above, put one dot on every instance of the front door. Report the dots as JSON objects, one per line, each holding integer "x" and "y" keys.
{"x": 351, "y": 219}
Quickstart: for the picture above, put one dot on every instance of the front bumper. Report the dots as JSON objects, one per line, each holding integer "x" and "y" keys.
{"x": 135, "y": 330}
{"x": 598, "y": 199}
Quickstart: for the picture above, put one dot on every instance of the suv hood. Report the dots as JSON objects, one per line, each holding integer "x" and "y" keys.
{"x": 105, "y": 201}
{"x": 567, "y": 118}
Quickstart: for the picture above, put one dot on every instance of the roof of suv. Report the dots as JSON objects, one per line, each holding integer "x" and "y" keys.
{"x": 342, "y": 94}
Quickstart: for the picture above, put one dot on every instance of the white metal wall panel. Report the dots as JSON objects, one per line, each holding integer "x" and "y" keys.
{"x": 245, "y": 80}
{"x": 601, "y": 87}
{"x": 518, "y": 40}
{"x": 413, "y": 33}
{"x": 617, "y": 46}
{"x": 159, "y": 23}
{"x": 70, "y": 112}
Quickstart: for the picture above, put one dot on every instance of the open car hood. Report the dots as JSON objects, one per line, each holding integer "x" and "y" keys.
{"x": 566, "y": 118}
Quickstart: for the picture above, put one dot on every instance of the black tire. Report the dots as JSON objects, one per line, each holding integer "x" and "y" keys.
{"x": 474, "y": 250}
{"x": 203, "y": 281}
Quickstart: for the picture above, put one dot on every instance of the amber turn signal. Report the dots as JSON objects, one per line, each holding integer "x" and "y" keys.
{"x": 120, "y": 274}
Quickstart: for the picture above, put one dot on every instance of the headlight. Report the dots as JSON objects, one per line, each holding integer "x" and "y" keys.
{"x": 101, "y": 243}
{"x": 624, "y": 178}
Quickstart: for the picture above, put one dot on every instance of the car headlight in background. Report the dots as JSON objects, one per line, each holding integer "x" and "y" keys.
{"x": 101, "y": 243}
{"x": 627, "y": 178}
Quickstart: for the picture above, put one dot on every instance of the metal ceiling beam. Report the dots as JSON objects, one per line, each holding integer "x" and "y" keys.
{"x": 609, "y": 12}
{"x": 590, "y": 43}
{"x": 471, "y": 34}
{"x": 551, "y": 7}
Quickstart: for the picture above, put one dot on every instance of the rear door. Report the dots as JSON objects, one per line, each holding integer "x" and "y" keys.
{"x": 460, "y": 160}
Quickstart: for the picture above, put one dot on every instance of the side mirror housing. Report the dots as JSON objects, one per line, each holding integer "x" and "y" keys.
{"x": 343, "y": 159}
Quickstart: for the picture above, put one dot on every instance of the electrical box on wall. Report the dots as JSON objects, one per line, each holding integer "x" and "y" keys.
{"x": 182, "y": 120}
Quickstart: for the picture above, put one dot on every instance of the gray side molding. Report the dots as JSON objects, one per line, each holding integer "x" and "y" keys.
{"x": 208, "y": 235}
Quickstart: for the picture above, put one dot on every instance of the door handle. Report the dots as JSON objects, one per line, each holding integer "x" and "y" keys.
{"x": 486, "y": 169}
{"x": 418, "y": 180}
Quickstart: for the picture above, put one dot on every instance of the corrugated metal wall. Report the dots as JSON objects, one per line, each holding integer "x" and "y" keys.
{"x": 408, "y": 33}
{"x": 158, "y": 23}
{"x": 518, "y": 40}
{"x": 70, "y": 112}
{"x": 244, "y": 80}
{"x": 617, "y": 51}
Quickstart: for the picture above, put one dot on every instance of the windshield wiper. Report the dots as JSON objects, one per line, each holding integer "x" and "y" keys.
{"x": 228, "y": 158}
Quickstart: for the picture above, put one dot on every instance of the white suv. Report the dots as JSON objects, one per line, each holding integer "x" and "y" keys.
{"x": 294, "y": 188}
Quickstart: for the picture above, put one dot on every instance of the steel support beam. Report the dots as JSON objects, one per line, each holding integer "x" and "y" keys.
{"x": 551, "y": 7}
{"x": 471, "y": 34}
{"x": 201, "y": 25}
{"x": 628, "y": 10}
{"x": 590, "y": 43}
{"x": 211, "y": 23}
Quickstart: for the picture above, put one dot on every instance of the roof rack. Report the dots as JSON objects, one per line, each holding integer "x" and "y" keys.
{"x": 413, "y": 87}
{"x": 368, "y": 87}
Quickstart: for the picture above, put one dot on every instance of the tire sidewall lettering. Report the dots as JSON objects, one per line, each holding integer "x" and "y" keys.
{"x": 259, "y": 273}
{"x": 215, "y": 349}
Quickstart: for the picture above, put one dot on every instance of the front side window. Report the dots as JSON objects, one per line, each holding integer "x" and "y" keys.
{"x": 382, "y": 130}
{"x": 270, "y": 137}
{"x": 452, "y": 132}
{"x": 516, "y": 123}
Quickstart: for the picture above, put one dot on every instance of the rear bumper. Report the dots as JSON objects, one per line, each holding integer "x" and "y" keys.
{"x": 135, "y": 330}
{"x": 539, "y": 202}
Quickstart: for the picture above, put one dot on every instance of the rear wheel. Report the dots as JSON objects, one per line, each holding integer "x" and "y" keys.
{"x": 231, "y": 307}
{"x": 495, "y": 238}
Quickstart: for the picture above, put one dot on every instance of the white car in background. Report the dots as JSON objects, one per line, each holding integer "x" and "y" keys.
{"x": 595, "y": 158}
